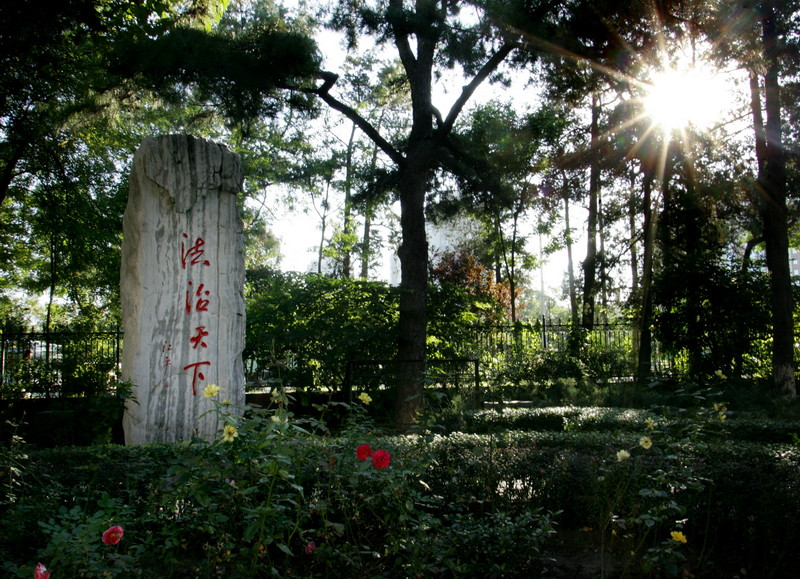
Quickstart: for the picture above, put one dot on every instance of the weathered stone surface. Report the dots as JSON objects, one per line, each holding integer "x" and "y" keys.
{"x": 182, "y": 288}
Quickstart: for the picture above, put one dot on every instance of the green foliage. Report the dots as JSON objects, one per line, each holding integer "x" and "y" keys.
{"x": 716, "y": 315}
{"x": 64, "y": 364}
{"x": 219, "y": 66}
{"x": 555, "y": 418}
{"x": 74, "y": 546}
{"x": 76, "y": 98}
{"x": 320, "y": 323}
{"x": 494, "y": 544}
{"x": 275, "y": 500}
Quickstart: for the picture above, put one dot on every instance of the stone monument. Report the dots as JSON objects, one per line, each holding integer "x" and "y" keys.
{"x": 182, "y": 288}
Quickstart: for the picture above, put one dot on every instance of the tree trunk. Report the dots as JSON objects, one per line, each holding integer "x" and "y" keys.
{"x": 573, "y": 296}
{"x": 323, "y": 226}
{"x": 645, "y": 336}
{"x": 772, "y": 182}
{"x": 508, "y": 257}
{"x": 423, "y": 149}
{"x": 413, "y": 254}
{"x": 632, "y": 226}
{"x": 366, "y": 239}
{"x": 590, "y": 264}
{"x": 347, "y": 225}
{"x": 575, "y": 329}
{"x": 601, "y": 283}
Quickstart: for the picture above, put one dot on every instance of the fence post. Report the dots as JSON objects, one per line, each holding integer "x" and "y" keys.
{"x": 544, "y": 333}
{"x": 477, "y": 376}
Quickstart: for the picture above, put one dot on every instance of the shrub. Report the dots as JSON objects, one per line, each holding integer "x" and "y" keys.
{"x": 267, "y": 498}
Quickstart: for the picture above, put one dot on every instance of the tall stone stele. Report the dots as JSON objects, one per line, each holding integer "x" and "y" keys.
{"x": 182, "y": 289}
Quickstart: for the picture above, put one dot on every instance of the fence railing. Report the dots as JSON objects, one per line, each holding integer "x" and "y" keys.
{"x": 54, "y": 364}
{"x": 455, "y": 374}
{"x": 40, "y": 364}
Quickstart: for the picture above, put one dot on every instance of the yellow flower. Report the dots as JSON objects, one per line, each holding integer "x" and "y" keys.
{"x": 365, "y": 398}
{"x": 645, "y": 442}
{"x": 623, "y": 455}
{"x": 229, "y": 433}
{"x": 678, "y": 536}
{"x": 650, "y": 424}
{"x": 211, "y": 390}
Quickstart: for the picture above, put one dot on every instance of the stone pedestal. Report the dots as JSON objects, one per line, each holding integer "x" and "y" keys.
{"x": 182, "y": 288}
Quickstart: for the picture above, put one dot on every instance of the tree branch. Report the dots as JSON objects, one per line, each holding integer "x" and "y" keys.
{"x": 401, "y": 37}
{"x": 329, "y": 79}
{"x": 466, "y": 92}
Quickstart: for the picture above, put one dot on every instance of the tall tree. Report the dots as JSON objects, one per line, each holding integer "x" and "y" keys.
{"x": 772, "y": 184}
{"x": 757, "y": 34}
{"x": 77, "y": 86}
{"x": 427, "y": 35}
{"x": 591, "y": 58}
{"x": 590, "y": 282}
{"x": 374, "y": 89}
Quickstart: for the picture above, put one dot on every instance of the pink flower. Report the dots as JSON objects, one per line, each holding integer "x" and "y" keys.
{"x": 363, "y": 452}
{"x": 41, "y": 572}
{"x": 112, "y": 535}
{"x": 310, "y": 547}
{"x": 381, "y": 459}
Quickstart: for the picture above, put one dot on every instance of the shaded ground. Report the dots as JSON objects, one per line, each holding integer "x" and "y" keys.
{"x": 578, "y": 555}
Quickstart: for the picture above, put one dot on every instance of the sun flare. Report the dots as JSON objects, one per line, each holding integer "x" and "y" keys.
{"x": 686, "y": 95}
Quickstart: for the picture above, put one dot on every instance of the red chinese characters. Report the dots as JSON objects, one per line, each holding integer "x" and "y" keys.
{"x": 197, "y": 339}
{"x": 196, "y": 303}
{"x": 196, "y": 374}
{"x": 195, "y": 253}
{"x": 201, "y": 304}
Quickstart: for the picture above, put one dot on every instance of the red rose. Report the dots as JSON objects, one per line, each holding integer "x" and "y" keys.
{"x": 112, "y": 535}
{"x": 381, "y": 459}
{"x": 41, "y": 572}
{"x": 363, "y": 452}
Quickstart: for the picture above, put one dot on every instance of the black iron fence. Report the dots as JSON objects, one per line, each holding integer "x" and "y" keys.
{"x": 59, "y": 364}
{"x": 458, "y": 374}
{"x": 64, "y": 364}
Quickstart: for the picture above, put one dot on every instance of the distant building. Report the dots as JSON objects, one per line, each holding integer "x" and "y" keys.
{"x": 794, "y": 262}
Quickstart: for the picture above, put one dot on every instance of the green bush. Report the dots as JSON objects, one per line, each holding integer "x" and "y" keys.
{"x": 318, "y": 324}
{"x": 267, "y": 498}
